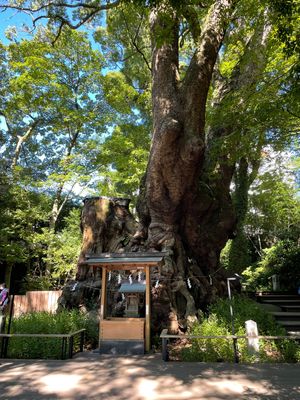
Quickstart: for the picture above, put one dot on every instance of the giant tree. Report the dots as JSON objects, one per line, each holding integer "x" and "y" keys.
{"x": 184, "y": 205}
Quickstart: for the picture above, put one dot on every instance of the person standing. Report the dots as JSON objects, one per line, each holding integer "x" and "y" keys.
{"x": 4, "y": 299}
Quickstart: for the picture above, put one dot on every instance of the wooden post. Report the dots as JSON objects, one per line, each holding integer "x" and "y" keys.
{"x": 253, "y": 343}
{"x": 103, "y": 294}
{"x": 103, "y": 301}
{"x": 165, "y": 353}
{"x": 147, "y": 312}
{"x": 82, "y": 334}
{"x": 71, "y": 346}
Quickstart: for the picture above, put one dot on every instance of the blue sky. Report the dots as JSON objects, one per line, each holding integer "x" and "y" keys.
{"x": 18, "y": 19}
{"x": 12, "y": 18}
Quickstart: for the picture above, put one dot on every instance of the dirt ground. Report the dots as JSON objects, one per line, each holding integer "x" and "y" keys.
{"x": 91, "y": 376}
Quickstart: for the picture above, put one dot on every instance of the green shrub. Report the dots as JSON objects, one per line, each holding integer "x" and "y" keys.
{"x": 219, "y": 323}
{"x": 63, "y": 322}
{"x": 209, "y": 349}
{"x": 244, "y": 310}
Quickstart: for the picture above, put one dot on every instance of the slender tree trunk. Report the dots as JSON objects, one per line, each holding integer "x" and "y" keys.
{"x": 8, "y": 272}
{"x": 21, "y": 140}
{"x": 59, "y": 202}
{"x": 239, "y": 257}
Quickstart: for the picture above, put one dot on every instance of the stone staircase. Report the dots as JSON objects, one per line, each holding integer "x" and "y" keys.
{"x": 285, "y": 308}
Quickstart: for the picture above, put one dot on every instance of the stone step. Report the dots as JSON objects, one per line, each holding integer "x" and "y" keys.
{"x": 282, "y": 301}
{"x": 294, "y": 333}
{"x": 286, "y": 314}
{"x": 289, "y": 323}
{"x": 291, "y": 308}
{"x": 278, "y": 297}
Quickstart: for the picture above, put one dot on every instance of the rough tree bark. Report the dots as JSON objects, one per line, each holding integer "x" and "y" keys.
{"x": 107, "y": 226}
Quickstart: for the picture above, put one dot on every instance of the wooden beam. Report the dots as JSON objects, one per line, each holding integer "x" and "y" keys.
{"x": 103, "y": 294}
{"x": 148, "y": 311}
{"x": 103, "y": 301}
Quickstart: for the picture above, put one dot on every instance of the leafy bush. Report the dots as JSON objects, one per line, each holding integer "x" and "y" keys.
{"x": 219, "y": 323}
{"x": 63, "y": 322}
{"x": 209, "y": 350}
{"x": 282, "y": 259}
{"x": 246, "y": 309}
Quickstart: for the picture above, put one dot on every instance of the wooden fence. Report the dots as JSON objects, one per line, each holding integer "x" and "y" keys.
{"x": 36, "y": 301}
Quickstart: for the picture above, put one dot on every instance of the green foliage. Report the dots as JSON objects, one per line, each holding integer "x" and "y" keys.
{"x": 123, "y": 159}
{"x": 209, "y": 350}
{"x": 224, "y": 256}
{"x": 238, "y": 253}
{"x": 282, "y": 259}
{"x": 274, "y": 208}
{"x": 245, "y": 309}
{"x": 219, "y": 323}
{"x": 287, "y": 21}
{"x": 21, "y": 212}
{"x": 63, "y": 247}
{"x": 43, "y": 323}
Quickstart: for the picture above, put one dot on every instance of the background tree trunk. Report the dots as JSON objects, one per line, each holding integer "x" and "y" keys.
{"x": 107, "y": 227}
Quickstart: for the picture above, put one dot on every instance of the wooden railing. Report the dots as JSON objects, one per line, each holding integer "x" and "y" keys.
{"x": 71, "y": 343}
{"x": 167, "y": 337}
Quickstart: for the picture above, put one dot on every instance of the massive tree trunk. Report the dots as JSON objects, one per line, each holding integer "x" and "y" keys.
{"x": 186, "y": 215}
{"x": 180, "y": 210}
{"x": 184, "y": 205}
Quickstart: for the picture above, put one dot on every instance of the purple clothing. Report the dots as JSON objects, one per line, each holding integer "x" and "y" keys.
{"x": 3, "y": 297}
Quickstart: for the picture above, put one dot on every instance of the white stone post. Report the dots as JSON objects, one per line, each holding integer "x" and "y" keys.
{"x": 253, "y": 342}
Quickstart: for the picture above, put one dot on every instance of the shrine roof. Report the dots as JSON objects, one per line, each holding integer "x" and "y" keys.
{"x": 125, "y": 259}
{"x": 132, "y": 288}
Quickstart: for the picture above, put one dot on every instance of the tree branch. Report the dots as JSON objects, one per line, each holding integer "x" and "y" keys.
{"x": 291, "y": 113}
{"x": 94, "y": 7}
{"x": 21, "y": 140}
{"x": 133, "y": 41}
{"x": 165, "y": 74}
{"x": 198, "y": 76}
{"x": 60, "y": 4}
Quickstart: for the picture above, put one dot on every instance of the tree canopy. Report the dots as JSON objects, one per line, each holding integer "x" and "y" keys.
{"x": 177, "y": 105}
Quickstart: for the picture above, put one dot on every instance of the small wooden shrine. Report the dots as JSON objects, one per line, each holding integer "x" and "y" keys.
{"x": 125, "y": 310}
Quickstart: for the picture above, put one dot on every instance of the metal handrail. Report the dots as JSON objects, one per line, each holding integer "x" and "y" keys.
{"x": 64, "y": 336}
{"x": 165, "y": 338}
